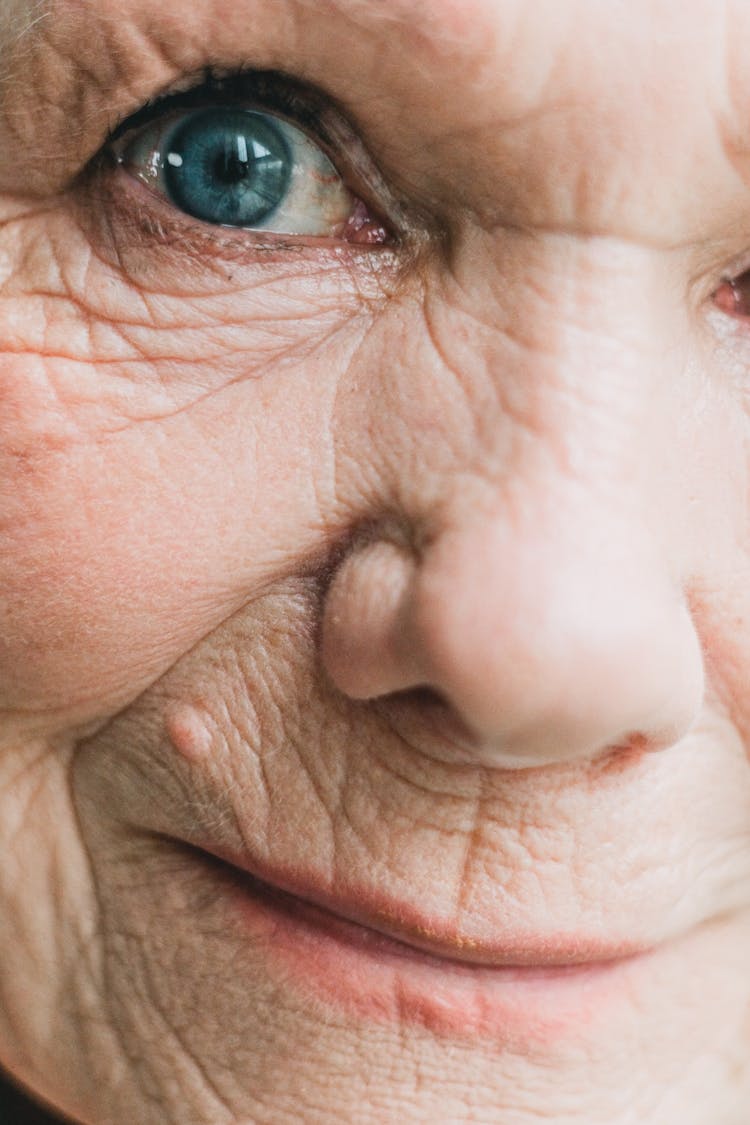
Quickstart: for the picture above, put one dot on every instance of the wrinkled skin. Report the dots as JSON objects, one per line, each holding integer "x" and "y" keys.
{"x": 419, "y": 569}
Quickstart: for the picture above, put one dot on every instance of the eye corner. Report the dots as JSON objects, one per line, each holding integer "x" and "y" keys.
{"x": 728, "y": 297}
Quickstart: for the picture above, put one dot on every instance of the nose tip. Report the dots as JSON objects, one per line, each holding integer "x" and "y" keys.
{"x": 544, "y": 655}
{"x": 560, "y": 669}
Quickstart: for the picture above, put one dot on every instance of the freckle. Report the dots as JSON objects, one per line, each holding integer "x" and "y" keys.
{"x": 187, "y": 732}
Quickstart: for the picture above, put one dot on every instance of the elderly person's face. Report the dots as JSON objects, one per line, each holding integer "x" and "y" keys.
{"x": 375, "y": 560}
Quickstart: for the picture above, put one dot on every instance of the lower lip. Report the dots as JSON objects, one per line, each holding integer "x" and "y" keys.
{"x": 379, "y": 979}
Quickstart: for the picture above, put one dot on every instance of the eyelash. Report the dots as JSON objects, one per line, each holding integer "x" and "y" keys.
{"x": 270, "y": 89}
{"x": 275, "y": 93}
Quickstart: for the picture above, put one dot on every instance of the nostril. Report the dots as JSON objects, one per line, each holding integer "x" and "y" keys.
{"x": 426, "y": 698}
{"x": 427, "y": 722}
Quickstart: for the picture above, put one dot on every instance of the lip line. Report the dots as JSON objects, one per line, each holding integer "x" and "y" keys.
{"x": 535, "y": 953}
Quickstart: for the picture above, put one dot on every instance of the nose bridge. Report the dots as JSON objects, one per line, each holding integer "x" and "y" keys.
{"x": 556, "y": 342}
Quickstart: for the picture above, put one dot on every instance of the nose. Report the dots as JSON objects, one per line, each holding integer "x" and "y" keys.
{"x": 551, "y": 630}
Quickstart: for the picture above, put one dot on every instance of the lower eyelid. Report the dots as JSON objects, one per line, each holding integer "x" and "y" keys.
{"x": 131, "y": 210}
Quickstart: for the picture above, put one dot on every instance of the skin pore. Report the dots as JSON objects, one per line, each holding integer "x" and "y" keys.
{"x": 411, "y": 575}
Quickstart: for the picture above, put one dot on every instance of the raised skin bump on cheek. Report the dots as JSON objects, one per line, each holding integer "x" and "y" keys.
{"x": 187, "y": 732}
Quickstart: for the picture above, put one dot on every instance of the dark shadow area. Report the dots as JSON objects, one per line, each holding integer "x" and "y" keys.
{"x": 16, "y": 1109}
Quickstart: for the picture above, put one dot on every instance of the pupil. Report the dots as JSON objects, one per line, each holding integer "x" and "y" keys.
{"x": 226, "y": 166}
{"x": 230, "y": 167}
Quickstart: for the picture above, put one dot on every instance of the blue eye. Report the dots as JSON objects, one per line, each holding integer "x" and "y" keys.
{"x": 243, "y": 167}
{"x": 232, "y": 167}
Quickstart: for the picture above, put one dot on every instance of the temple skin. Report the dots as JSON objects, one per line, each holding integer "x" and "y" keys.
{"x": 414, "y": 578}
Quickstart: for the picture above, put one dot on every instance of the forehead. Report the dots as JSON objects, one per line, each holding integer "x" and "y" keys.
{"x": 529, "y": 111}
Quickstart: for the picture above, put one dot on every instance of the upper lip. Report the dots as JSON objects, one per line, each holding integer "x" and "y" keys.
{"x": 402, "y": 923}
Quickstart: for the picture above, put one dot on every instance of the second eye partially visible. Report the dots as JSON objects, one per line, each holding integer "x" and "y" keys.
{"x": 245, "y": 167}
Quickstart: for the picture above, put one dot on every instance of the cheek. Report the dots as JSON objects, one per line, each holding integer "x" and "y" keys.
{"x": 120, "y": 548}
{"x": 709, "y": 518}
{"x": 706, "y": 466}
{"x": 164, "y": 449}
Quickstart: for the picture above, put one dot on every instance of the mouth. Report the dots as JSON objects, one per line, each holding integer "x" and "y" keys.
{"x": 385, "y": 962}
{"x": 403, "y": 930}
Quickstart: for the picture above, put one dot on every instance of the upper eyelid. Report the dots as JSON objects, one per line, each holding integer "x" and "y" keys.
{"x": 267, "y": 91}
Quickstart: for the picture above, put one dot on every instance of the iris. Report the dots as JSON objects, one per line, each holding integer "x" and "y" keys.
{"x": 228, "y": 166}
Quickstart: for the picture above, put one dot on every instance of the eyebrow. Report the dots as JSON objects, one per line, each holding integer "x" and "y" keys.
{"x": 18, "y": 18}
